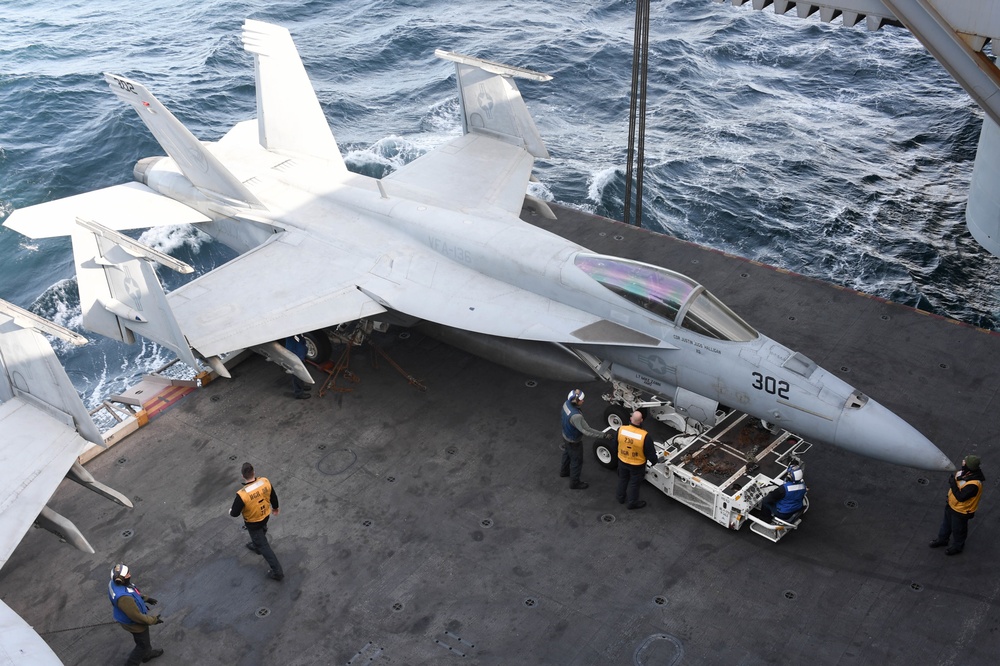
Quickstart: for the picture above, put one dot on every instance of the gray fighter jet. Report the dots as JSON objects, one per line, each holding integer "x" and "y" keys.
{"x": 438, "y": 241}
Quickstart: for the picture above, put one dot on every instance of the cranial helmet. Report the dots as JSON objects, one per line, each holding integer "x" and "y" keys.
{"x": 121, "y": 574}
{"x": 795, "y": 473}
{"x": 576, "y": 395}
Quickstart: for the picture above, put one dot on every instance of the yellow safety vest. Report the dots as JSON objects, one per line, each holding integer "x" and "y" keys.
{"x": 630, "y": 439}
{"x": 969, "y": 505}
{"x": 256, "y": 497}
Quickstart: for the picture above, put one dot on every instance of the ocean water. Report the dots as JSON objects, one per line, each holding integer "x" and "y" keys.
{"x": 833, "y": 152}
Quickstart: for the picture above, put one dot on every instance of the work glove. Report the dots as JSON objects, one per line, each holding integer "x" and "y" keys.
{"x": 151, "y": 601}
{"x": 611, "y": 435}
{"x": 660, "y": 460}
{"x": 159, "y": 620}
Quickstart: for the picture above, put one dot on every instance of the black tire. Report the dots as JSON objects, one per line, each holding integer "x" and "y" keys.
{"x": 318, "y": 347}
{"x": 616, "y": 416}
{"x": 606, "y": 453}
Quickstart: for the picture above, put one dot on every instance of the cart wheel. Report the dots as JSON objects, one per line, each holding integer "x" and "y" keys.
{"x": 318, "y": 347}
{"x": 616, "y": 416}
{"x": 606, "y": 453}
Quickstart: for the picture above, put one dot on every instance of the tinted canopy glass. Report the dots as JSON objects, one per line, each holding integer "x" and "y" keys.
{"x": 664, "y": 293}
{"x": 658, "y": 290}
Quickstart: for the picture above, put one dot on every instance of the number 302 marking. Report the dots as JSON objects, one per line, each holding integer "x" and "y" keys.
{"x": 770, "y": 385}
{"x": 125, "y": 85}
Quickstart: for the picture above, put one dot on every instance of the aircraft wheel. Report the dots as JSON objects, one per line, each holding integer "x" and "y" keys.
{"x": 616, "y": 416}
{"x": 318, "y": 347}
{"x": 606, "y": 453}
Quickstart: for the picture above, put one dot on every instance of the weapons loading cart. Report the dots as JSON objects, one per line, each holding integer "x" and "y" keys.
{"x": 723, "y": 471}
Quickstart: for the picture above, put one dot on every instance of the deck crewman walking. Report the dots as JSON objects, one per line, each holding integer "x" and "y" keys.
{"x": 256, "y": 501}
{"x": 131, "y": 611}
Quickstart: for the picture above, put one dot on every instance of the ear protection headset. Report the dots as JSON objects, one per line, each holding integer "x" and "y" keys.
{"x": 576, "y": 395}
{"x": 120, "y": 574}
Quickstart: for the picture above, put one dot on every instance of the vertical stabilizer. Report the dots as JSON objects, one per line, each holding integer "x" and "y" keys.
{"x": 289, "y": 117}
{"x": 199, "y": 165}
{"x": 491, "y": 102}
{"x": 983, "y": 210}
{"x": 120, "y": 294}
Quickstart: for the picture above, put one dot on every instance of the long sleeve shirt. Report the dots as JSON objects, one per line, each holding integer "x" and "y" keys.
{"x": 237, "y": 508}
{"x": 581, "y": 424}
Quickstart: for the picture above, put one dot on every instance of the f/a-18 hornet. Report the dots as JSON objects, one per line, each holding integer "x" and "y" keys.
{"x": 438, "y": 241}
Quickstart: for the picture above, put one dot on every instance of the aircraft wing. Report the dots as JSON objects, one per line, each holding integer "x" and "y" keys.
{"x": 290, "y": 284}
{"x": 45, "y": 427}
{"x": 19, "y": 644}
{"x": 445, "y": 292}
{"x": 276, "y": 290}
{"x": 36, "y": 453}
{"x": 489, "y": 166}
{"x": 473, "y": 171}
{"x": 128, "y": 206}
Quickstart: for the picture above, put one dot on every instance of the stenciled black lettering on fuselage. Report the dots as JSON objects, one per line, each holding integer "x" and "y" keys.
{"x": 451, "y": 251}
{"x": 768, "y": 384}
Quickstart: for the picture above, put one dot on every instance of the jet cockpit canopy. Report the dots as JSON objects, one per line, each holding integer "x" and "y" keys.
{"x": 668, "y": 295}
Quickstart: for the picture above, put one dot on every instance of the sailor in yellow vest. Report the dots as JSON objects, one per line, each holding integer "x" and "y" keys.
{"x": 256, "y": 501}
{"x": 635, "y": 447}
{"x": 965, "y": 489}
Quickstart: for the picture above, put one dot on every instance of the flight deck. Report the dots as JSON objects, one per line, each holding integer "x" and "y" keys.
{"x": 427, "y": 524}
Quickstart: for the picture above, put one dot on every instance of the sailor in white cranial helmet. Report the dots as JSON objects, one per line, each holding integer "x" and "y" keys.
{"x": 574, "y": 427}
{"x": 788, "y": 499}
{"x": 131, "y": 611}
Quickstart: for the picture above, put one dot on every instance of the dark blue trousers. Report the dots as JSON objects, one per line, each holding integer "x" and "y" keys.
{"x": 258, "y": 536}
{"x": 572, "y": 461}
{"x": 954, "y": 526}
{"x": 629, "y": 478}
{"x": 143, "y": 646}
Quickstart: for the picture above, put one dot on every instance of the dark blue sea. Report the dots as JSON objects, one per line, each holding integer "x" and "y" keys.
{"x": 833, "y": 152}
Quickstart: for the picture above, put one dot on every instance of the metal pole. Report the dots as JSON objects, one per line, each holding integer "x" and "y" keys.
{"x": 637, "y": 112}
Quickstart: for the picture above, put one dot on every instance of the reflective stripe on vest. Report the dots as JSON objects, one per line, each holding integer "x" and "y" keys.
{"x": 115, "y": 592}
{"x": 969, "y": 505}
{"x": 256, "y": 498}
{"x": 630, "y": 450}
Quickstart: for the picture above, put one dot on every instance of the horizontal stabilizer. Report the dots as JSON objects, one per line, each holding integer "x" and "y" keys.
{"x": 290, "y": 119}
{"x": 120, "y": 207}
{"x": 120, "y": 294}
{"x": 196, "y": 162}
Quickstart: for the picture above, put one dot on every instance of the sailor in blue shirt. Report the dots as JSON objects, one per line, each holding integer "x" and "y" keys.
{"x": 131, "y": 610}
{"x": 787, "y": 500}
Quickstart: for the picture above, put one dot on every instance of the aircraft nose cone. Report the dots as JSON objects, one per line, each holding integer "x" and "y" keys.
{"x": 874, "y": 431}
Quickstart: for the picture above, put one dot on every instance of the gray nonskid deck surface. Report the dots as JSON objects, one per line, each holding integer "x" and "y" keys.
{"x": 432, "y": 527}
